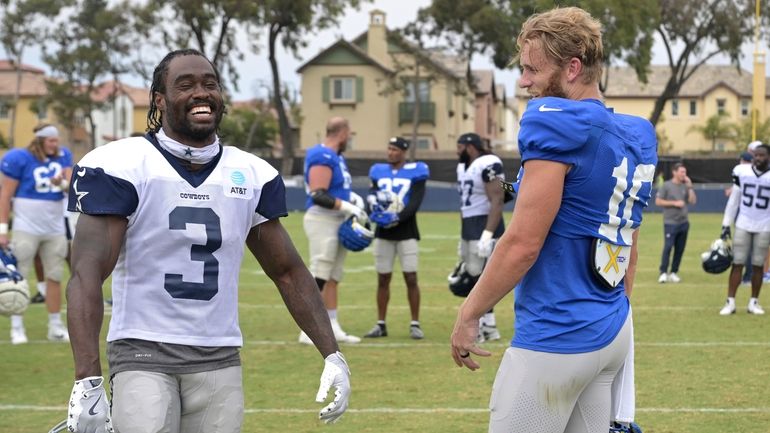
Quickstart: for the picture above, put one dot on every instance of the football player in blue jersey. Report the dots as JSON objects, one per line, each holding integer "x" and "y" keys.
{"x": 36, "y": 178}
{"x": 479, "y": 174}
{"x": 398, "y": 188}
{"x": 167, "y": 215}
{"x": 329, "y": 203}
{"x": 587, "y": 174}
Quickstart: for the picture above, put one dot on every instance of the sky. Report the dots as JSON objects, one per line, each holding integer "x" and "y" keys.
{"x": 254, "y": 69}
{"x": 354, "y": 22}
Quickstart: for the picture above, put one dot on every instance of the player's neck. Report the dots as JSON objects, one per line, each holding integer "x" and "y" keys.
{"x": 397, "y": 165}
{"x": 581, "y": 91}
{"x": 331, "y": 144}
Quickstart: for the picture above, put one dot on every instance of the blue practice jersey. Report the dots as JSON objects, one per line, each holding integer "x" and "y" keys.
{"x": 35, "y": 176}
{"x": 561, "y": 306}
{"x": 399, "y": 181}
{"x": 341, "y": 181}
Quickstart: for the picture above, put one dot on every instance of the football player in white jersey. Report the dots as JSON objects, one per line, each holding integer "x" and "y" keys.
{"x": 750, "y": 200}
{"x": 167, "y": 215}
{"x": 479, "y": 173}
{"x": 36, "y": 179}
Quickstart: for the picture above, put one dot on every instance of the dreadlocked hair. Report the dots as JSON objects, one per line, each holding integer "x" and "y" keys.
{"x": 35, "y": 146}
{"x": 154, "y": 116}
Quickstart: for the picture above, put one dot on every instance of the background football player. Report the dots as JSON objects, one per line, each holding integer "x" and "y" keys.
{"x": 479, "y": 173}
{"x": 398, "y": 188}
{"x": 750, "y": 200}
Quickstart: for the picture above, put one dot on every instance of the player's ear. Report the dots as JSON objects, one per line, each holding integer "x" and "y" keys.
{"x": 160, "y": 101}
{"x": 574, "y": 69}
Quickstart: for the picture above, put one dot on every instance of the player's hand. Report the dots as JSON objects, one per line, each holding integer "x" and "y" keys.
{"x": 350, "y": 209}
{"x": 486, "y": 244}
{"x": 4, "y": 241}
{"x": 336, "y": 374}
{"x": 384, "y": 219}
{"x": 725, "y": 233}
{"x": 89, "y": 410}
{"x": 464, "y": 342}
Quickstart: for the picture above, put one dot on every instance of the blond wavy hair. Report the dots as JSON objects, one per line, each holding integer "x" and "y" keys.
{"x": 35, "y": 146}
{"x": 565, "y": 33}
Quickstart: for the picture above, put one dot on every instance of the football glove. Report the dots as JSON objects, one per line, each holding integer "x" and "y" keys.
{"x": 350, "y": 209}
{"x": 486, "y": 243}
{"x": 384, "y": 219}
{"x": 725, "y": 233}
{"x": 89, "y": 410}
{"x": 337, "y": 374}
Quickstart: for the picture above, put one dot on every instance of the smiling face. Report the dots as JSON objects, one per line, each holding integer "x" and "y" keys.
{"x": 539, "y": 74}
{"x": 192, "y": 104}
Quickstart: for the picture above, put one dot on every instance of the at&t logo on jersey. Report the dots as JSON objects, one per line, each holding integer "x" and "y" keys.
{"x": 237, "y": 183}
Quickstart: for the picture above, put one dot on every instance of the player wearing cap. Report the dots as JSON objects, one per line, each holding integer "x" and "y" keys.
{"x": 397, "y": 191}
{"x": 481, "y": 206}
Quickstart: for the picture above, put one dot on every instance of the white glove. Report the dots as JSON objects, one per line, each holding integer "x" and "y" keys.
{"x": 89, "y": 410}
{"x": 337, "y": 374}
{"x": 486, "y": 243}
{"x": 350, "y": 209}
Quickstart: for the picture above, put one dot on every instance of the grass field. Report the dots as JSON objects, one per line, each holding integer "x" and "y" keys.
{"x": 696, "y": 371}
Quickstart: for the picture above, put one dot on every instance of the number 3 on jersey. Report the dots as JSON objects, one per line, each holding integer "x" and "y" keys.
{"x": 643, "y": 174}
{"x": 178, "y": 219}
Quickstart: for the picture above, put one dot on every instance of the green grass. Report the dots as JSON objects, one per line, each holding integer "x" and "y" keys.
{"x": 696, "y": 371}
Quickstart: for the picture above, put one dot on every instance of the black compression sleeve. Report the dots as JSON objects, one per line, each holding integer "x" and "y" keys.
{"x": 322, "y": 198}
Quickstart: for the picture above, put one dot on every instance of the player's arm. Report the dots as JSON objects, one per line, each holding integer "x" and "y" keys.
{"x": 7, "y": 191}
{"x": 731, "y": 208}
{"x": 661, "y": 199}
{"x": 275, "y": 251}
{"x": 537, "y": 204}
{"x": 95, "y": 250}
{"x": 416, "y": 194}
{"x": 495, "y": 194}
{"x": 628, "y": 281}
{"x": 691, "y": 197}
{"x": 319, "y": 178}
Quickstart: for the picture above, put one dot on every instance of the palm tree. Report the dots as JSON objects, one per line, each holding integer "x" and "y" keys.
{"x": 717, "y": 126}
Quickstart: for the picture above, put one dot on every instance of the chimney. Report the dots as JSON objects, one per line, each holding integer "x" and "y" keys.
{"x": 376, "y": 38}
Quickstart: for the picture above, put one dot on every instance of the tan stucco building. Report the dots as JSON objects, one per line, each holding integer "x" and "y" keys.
{"x": 712, "y": 89}
{"x": 373, "y": 82}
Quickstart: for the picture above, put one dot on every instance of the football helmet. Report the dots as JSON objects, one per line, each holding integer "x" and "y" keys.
{"x": 460, "y": 281}
{"x": 719, "y": 258}
{"x": 14, "y": 292}
{"x": 354, "y": 235}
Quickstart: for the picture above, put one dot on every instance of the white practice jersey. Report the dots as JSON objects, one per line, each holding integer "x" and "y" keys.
{"x": 176, "y": 279}
{"x": 754, "y": 198}
{"x": 471, "y": 184}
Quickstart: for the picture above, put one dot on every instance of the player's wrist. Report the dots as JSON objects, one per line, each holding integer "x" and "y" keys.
{"x": 3, "y": 229}
{"x": 486, "y": 235}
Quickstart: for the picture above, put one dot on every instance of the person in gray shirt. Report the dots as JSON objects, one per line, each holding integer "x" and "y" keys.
{"x": 674, "y": 197}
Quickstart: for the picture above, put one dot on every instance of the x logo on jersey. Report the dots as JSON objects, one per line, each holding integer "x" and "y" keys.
{"x": 613, "y": 261}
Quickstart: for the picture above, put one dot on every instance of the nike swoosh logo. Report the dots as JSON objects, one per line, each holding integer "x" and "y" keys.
{"x": 543, "y": 109}
{"x": 82, "y": 172}
{"x": 91, "y": 411}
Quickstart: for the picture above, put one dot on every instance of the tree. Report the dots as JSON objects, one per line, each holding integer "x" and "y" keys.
{"x": 742, "y": 133}
{"x": 208, "y": 26}
{"x": 19, "y": 29}
{"x": 478, "y": 26}
{"x": 717, "y": 126}
{"x": 251, "y": 129}
{"x": 89, "y": 46}
{"x": 290, "y": 22}
{"x": 693, "y": 32}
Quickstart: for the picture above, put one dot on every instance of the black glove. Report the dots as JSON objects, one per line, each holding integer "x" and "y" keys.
{"x": 725, "y": 233}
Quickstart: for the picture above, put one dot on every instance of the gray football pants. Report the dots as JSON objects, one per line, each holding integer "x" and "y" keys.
{"x": 207, "y": 402}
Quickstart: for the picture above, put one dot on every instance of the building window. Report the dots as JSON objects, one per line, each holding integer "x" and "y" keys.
{"x": 343, "y": 89}
{"x": 4, "y": 110}
{"x": 123, "y": 118}
{"x": 693, "y": 108}
{"x": 675, "y": 107}
{"x": 422, "y": 86}
{"x": 721, "y": 106}
{"x": 745, "y": 107}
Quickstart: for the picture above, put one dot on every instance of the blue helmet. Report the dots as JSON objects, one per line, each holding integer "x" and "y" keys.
{"x": 355, "y": 236}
